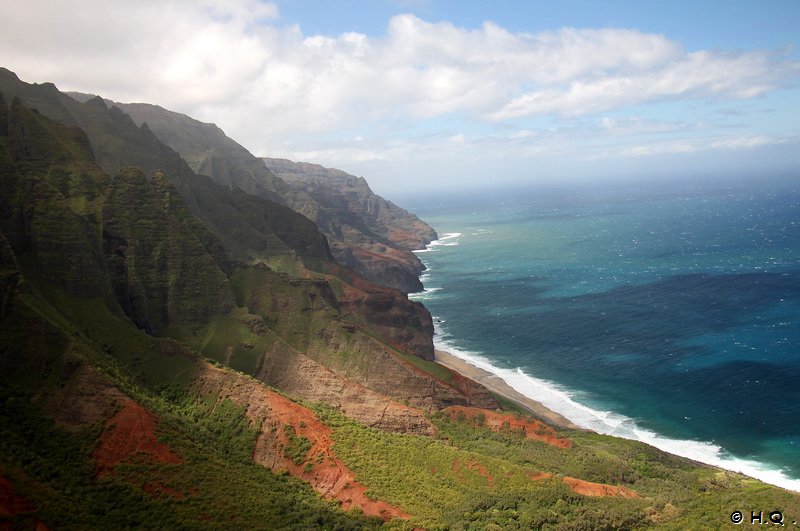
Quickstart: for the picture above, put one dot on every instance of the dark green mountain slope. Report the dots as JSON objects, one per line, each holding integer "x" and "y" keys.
{"x": 383, "y": 324}
{"x": 366, "y": 232}
{"x": 70, "y": 354}
{"x": 249, "y": 229}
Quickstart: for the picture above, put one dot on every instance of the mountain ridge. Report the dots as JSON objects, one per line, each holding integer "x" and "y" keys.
{"x": 358, "y": 237}
{"x": 400, "y": 321}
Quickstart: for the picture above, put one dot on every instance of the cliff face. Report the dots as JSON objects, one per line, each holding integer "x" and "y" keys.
{"x": 205, "y": 148}
{"x": 236, "y": 276}
{"x": 161, "y": 270}
{"x": 367, "y": 233}
{"x": 344, "y": 192}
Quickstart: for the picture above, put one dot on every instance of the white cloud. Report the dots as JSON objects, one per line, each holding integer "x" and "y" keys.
{"x": 746, "y": 142}
{"x": 271, "y": 87}
{"x": 206, "y": 53}
{"x": 731, "y": 143}
{"x": 690, "y": 76}
{"x": 641, "y": 126}
{"x": 192, "y": 52}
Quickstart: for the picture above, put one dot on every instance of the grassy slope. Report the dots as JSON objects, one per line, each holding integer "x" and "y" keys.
{"x": 217, "y": 484}
{"x": 469, "y": 477}
{"x": 466, "y": 477}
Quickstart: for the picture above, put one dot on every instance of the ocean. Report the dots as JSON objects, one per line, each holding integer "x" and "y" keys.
{"x": 668, "y": 314}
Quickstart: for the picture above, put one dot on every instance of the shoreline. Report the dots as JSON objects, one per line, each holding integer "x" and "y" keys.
{"x": 708, "y": 455}
{"x": 557, "y": 408}
{"x": 497, "y": 385}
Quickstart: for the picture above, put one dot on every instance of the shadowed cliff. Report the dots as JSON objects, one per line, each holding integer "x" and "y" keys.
{"x": 183, "y": 257}
{"x": 366, "y": 232}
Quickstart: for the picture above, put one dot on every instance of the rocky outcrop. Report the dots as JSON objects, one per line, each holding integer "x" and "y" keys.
{"x": 348, "y": 193}
{"x": 368, "y": 233}
{"x": 401, "y": 322}
{"x": 298, "y": 375}
{"x": 383, "y": 370}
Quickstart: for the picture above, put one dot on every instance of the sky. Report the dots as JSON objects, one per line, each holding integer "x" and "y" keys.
{"x": 424, "y": 95}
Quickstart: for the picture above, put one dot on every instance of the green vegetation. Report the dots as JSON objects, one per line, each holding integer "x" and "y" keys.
{"x": 469, "y": 477}
{"x": 217, "y": 485}
{"x": 440, "y": 372}
{"x": 297, "y": 446}
{"x": 445, "y": 485}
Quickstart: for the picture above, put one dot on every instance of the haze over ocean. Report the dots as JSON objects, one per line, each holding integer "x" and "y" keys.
{"x": 669, "y": 314}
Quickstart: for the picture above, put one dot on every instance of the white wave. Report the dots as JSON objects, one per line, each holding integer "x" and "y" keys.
{"x": 444, "y": 241}
{"x": 564, "y": 402}
{"x": 424, "y": 294}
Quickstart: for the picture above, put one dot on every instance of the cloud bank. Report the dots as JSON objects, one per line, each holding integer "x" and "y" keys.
{"x": 269, "y": 85}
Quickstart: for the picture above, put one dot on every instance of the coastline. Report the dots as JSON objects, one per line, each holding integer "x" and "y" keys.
{"x": 557, "y": 407}
{"x": 700, "y": 452}
{"x": 500, "y": 387}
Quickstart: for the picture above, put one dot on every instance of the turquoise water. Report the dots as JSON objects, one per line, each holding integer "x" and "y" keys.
{"x": 664, "y": 314}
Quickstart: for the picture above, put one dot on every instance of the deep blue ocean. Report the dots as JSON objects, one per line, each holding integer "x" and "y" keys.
{"x": 666, "y": 313}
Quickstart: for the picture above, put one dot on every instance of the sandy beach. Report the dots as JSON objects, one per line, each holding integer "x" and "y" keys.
{"x": 497, "y": 385}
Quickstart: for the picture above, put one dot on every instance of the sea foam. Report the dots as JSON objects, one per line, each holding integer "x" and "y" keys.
{"x": 448, "y": 240}
{"x": 565, "y": 403}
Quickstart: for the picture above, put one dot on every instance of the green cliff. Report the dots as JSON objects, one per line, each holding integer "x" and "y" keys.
{"x": 365, "y": 232}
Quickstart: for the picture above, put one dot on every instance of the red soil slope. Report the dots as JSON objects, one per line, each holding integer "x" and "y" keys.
{"x": 12, "y": 504}
{"x": 531, "y": 428}
{"x": 587, "y": 488}
{"x": 130, "y": 435}
{"x": 281, "y": 419}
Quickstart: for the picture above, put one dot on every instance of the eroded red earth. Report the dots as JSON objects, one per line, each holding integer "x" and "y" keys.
{"x": 531, "y": 428}
{"x": 130, "y": 435}
{"x": 587, "y": 488}
{"x": 281, "y": 419}
{"x": 12, "y": 504}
